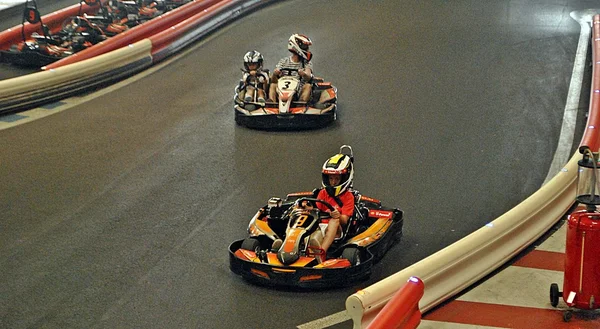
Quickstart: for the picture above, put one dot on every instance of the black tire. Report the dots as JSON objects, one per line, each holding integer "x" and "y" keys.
{"x": 353, "y": 254}
{"x": 251, "y": 244}
{"x": 567, "y": 315}
{"x": 554, "y": 294}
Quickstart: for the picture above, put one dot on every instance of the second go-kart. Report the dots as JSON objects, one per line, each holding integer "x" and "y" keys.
{"x": 283, "y": 246}
{"x": 287, "y": 112}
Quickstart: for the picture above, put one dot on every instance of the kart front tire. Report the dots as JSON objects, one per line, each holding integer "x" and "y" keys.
{"x": 251, "y": 244}
{"x": 353, "y": 254}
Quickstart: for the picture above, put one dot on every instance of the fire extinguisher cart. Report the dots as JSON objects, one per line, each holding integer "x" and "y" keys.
{"x": 581, "y": 286}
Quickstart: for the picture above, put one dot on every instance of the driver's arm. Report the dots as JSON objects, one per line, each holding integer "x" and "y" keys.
{"x": 337, "y": 215}
{"x": 305, "y": 73}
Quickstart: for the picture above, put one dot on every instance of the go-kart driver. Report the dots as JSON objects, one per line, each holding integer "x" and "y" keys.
{"x": 299, "y": 60}
{"x": 254, "y": 77}
{"x": 337, "y": 175}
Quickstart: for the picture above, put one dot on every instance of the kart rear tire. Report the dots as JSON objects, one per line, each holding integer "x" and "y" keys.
{"x": 353, "y": 254}
{"x": 251, "y": 244}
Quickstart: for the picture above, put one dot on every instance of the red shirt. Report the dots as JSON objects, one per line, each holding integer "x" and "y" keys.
{"x": 347, "y": 199}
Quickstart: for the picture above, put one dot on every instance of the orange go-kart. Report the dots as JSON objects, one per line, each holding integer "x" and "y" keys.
{"x": 283, "y": 247}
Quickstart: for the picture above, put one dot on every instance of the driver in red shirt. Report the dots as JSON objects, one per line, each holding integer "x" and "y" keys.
{"x": 337, "y": 175}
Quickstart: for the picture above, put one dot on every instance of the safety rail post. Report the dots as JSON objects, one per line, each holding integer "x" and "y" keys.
{"x": 402, "y": 311}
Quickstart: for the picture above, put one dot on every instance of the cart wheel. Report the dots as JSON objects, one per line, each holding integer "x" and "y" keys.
{"x": 554, "y": 294}
{"x": 251, "y": 244}
{"x": 352, "y": 254}
{"x": 567, "y": 315}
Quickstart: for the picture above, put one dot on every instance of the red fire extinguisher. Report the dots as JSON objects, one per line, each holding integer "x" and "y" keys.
{"x": 581, "y": 286}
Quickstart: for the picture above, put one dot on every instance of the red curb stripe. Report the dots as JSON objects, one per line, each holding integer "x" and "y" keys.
{"x": 543, "y": 260}
{"x": 505, "y": 316}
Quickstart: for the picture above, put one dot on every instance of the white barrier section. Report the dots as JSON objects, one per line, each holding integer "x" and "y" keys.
{"x": 463, "y": 263}
{"x": 10, "y": 3}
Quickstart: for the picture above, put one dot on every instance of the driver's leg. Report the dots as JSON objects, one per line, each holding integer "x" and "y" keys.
{"x": 273, "y": 92}
{"x": 261, "y": 96}
{"x": 332, "y": 228}
{"x": 305, "y": 93}
{"x": 249, "y": 94}
{"x": 273, "y": 88}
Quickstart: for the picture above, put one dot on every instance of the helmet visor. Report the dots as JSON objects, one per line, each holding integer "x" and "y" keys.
{"x": 303, "y": 46}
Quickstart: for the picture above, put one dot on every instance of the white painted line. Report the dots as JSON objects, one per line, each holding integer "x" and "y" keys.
{"x": 327, "y": 321}
{"x": 567, "y": 131}
{"x": 427, "y": 324}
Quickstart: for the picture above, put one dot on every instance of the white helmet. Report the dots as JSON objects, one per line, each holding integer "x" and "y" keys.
{"x": 253, "y": 57}
{"x": 339, "y": 164}
{"x": 298, "y": 44}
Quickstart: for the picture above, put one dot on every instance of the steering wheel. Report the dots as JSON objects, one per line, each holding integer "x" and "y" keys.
{"x": 287, "y": 72}
{"x": 314, "y": 200}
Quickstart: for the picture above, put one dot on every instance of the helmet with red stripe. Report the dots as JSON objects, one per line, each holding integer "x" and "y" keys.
{"x": 298, "y": 44}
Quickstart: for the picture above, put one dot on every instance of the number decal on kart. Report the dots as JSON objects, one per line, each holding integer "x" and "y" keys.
{"x": 287, "y": 85}
{"x": 300, "y": 221}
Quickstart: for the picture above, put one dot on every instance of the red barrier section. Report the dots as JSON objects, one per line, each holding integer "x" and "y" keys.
{"x": 167, "y": 37}
{"x": 137, "y": 33}
{"x": 590, "y": 135}
{"x": 53, "y": 21}
{"x": 402, "y": 311}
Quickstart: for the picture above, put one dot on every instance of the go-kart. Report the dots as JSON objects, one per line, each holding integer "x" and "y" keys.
{"x": 77, "y": 33}
{"x": 283, "y": 247}
{"x": 288, "y": 112}
{"x": 106, "y": 19}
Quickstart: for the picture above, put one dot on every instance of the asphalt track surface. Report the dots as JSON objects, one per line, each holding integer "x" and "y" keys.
{"x": 117, "y": 213}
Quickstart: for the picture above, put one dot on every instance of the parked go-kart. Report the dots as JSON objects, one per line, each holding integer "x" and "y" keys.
{"x": 296, "y": 262}
{"x": 288, "y": 112}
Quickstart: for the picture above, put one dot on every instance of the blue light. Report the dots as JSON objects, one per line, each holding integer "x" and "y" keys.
{"x": 489, "y": 224}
